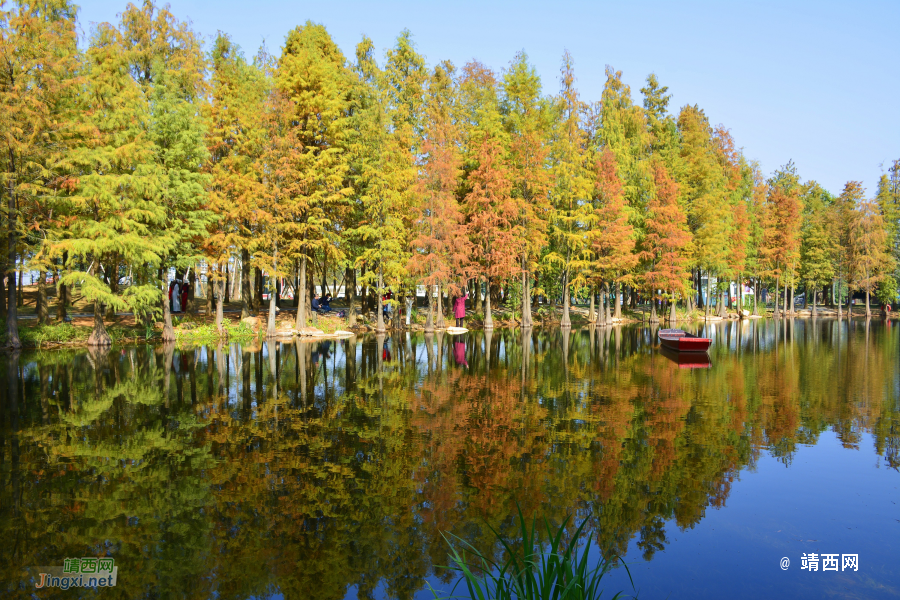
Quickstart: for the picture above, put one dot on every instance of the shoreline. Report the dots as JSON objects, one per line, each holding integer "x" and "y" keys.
{"x": 198, "y": 329}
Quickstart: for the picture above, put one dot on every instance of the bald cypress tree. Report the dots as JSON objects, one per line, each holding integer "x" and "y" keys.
{"x": 235, "y": 137}
{"x": 613, "y": 236}
{"x": 38, "y": 86}
{"x": 492, "y": 215}
{"x": 816, "y": 243}
{"x": 440, "y": 249}
{"x": 387, "y": 139}
{"x": 572, "y": 210}
{"x": 115, "y": 201}
{"x": 526, "y": 118}
{"x": 667, "y": 241}
{"x": 305, "y": 165}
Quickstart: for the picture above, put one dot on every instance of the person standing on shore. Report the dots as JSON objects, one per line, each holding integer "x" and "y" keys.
{"x": 459, "y": 308}
{"x": 176, "y": 297}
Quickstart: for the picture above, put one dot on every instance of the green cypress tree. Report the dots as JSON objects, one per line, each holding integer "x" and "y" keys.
{"x": 115, "y": 200}
{"x": 817, "y": 245}
{"x": 573, "y": 213}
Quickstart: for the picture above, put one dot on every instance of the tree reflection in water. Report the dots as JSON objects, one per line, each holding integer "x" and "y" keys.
{"x": 243, "y": 470}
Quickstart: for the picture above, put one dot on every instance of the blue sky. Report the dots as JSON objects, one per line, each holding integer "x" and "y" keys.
{"x": 816, "y": 82}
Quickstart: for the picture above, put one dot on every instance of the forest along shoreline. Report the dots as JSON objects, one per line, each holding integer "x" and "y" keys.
{"x": 199, "y": 326}
{"x": 138, "y": 168}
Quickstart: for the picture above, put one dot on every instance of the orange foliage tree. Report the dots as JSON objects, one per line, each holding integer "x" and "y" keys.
{"x": 612, "y": 239}
{"x": 667, "y": 241}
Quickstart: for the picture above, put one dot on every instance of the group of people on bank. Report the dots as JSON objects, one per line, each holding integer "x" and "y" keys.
{"x": 179, "y": 292}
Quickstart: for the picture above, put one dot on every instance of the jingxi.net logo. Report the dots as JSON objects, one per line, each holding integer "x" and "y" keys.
{"x": 78, "y": 572}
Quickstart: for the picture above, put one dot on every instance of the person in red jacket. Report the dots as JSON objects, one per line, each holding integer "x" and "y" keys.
{"x": 459, "y": 308}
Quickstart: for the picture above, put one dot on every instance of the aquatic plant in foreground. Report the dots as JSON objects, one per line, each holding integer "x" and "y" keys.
{"x": 527, "y": 573}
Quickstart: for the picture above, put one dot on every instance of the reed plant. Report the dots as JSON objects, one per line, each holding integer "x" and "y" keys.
{"x": 527, "y": 572}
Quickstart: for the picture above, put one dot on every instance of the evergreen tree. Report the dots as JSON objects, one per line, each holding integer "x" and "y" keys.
{"x": 235, "y": 138}
{"x": 386, "y": 129}
{"x": 705, "y": 196}
{"x": 817, "y": 243}
{"x": 526, "y": 120}
{"x": 306, "y": 162}
{"x": 37, "y": 84}
{"x": 116, "y": 198}
{"x": 872, "y": 261}
{"x": 571, "y": 192}
{"x": 165, "y": 58}
{"x": 888, "y": 198}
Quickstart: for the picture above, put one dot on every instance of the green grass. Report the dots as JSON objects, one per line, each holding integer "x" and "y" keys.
{"x": 59, "y": 333}
{"x": 528, "y": 573}
{"x": 209, "y": 332}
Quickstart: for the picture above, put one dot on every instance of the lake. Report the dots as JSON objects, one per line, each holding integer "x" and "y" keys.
{"x": 338, "y": 469}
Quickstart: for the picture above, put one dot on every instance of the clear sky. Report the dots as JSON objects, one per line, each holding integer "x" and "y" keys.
{"x": 816, "y": 82}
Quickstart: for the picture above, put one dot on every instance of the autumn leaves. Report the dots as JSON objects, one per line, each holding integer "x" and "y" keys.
{"x": 144, "y": 154}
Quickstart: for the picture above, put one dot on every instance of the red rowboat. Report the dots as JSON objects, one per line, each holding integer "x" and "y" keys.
{"x": 688, "y": 360}
{"x": 682, "y": 341}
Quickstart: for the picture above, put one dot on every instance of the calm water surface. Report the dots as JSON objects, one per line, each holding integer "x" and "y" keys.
{"x": 330, "y": 470}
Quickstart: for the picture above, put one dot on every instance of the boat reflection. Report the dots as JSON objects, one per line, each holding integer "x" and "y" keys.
{"x": 687, "y": 360}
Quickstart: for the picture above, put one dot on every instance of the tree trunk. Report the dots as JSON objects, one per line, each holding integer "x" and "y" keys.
{"x": 62, "y": 292}
{"x": 673, "y": 313}
{"x": 840, "y": 305}
{"x": 777, "y": 283}
{"x": 429, "y": 318}
{"x": 220, "y": 306}
{"x": 227, "y": 287}
{"x": 526, "y": 299}
{"x": 488, "y": 317}
{"x": 756, "y": 296}
{"x": 211, "y": 290}
{"x": 259, "y": 289}
{"x": 793, "y": 294}
{"x": 42, "y": 308}
{"x": 565, "y": 322}
{"x": 868, "y": 308}
{"x": 707, "y": 302}
{"x": 324, "y": 274}
{"x": 601, "y": 305}
{"x": 168, "y": 334}
{"x": 192, "y": 279}
{"x": 301, "y": 295}
{"x": 379, "y": 324}
{"x": 99, "y": 336}
{"x": 785, "y": 310}
{"x": 350, "y": 295}
{"x": 814, "y": 302}
{"x": 653, "y": 316}
{"x": 700, "y": 302}
{"x": 607, "y": 319}
{"x": 12, "y": 314}
{"x": 246, "y": 290}
{"x": 440, "y": 324}
{"x": 617, "y": 311}
{"x": 270, "y": 327}
{"x": 591, "y": 318}
{"x": 20, "y": 295}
